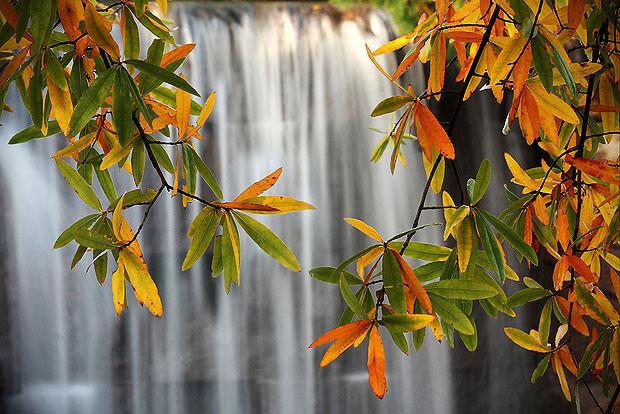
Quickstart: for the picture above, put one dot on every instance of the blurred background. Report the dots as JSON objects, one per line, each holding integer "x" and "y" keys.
{"x": 295, "y": 89}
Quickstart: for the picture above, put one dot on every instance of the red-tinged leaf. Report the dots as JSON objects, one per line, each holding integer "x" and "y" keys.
{"x": 582, "y": 268}
{"x": 71, "y": 12}
{"x": 339, "y": 332}
{"x": 414, "y": 284}
{"x": 575, "y": 13}
{"x": 236, "y": 205}
{"x": 576, "y": 320}
{"x": 596, "y": 168}
{"x": 260, "y": 186}
{"x": 376, "y": 364}
{"x": 567, "y": 360}
{"x": 529, "y": 119}
{"x": 427, "y": 125}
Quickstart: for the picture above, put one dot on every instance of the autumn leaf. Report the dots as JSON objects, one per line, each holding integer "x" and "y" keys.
{"x": 376, "y": 364}
{"x": 99, "y": 30}
{"x": 433, "y": 132}
{"x": 260, "y": 186}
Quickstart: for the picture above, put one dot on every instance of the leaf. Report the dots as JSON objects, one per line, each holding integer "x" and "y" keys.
{"x": 93, "y": 240}
{"x": 67, "y": 236}
{"x": 73, "y": 149}
{"x": 202, "y": 231}
{"x": 183, "y": 101}
{"x": 525, "y": 340}
{"x": 391, "y": 104}
{"x": 350, "y": 299}
{"x": 90, "y": 101}
{"x": 510, "y": 236}
{"x": 206, "y": 174}
{"x": 461, "y": 289}
{"x": 98, "y": 29}
{"x": 58, "y": 91}
{"x": 491, "y": 247}
{"x": 328, "y": 274}
{"x": 162, "y": 74}
{"x": 544, "y": 325}
{"x": 118, "y": 289}
{"x": 343, "y": 343}
{"x": 205, "y": 112}
{"x": 483, "y": 178}
{"x": 79, "y": 185}
{"x": 393, "y": 282}
{"x": 364, "y": 228}
{"x": 282, "y": 204}
{"x": 260, "y": 186}
{"x": 527, "y": 295}
{"x": 130, "y": 34}
{"x": 376, "y": 364}
{"x": 269, "y": 242}
{"x": 413, "y": 283}
{"x": 542, "y": 62}
{"x": 559, "y": 369}
{"x": 540, "y": 369}
{"x": 41, "y": 12}
{"x": 423, "y": 251}
{"x": 465, "y": 243}
{"x": 407, "y": 323}
{"x": 581, "y": 267}
{"x": 428, "y": 126}
{"x": 340, "y": 332}
{"x": 142, "y": 283}
{"x": 595, "y": 168}
{"x": 454, "y": 219}
{"x": 452, "y": 315}
{"x": 121, "y": 117}
{"x": 230, "y": 252}
{"x": 552, "y": 104}
{"x": 589, "y": 303}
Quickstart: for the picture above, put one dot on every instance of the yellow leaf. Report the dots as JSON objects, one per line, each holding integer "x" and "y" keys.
{"x": 376, "y": 364}
{"x": 364, "y": 228}
{"x": 559, "y": 370}
{"x": 520, "y": 176}
{"x": 233, "y": 241}
{"x": 163, "y": 6}
{"x": 99, "y": 30}
{"x": 117, "y": 219}
{"x": 282, "y": 204}
{"x": 465, "y": 240}
{"x": 367, "y": 259}
{"x": 455, "y": 218}
{"x": 117, "y": 153}
{"x": 204, "y": 114}
{"x": 393, "y": 45}
{"x": 184, "y": 102}
{"x": 142, "y": 283}
{"x": 552, "y": 104}
{"x": 438, "y": 65}
{"x": 436, "y": 329}
{"x": 260, "y": 186}
{"x": 525, "y": 340}
{"x": 506, "y": 59}
{"x": 79, "y": 145}
{"x": 118, "y": 288}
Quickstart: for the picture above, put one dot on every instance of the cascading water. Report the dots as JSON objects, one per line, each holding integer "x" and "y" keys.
{"x": 295, "y": 88}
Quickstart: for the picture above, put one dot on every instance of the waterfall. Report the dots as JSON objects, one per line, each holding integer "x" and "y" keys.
{"x": 295, "y": 88}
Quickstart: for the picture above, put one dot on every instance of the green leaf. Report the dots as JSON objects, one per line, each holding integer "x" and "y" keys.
{"x": 121, "y": 114}
{"x": 544, "y": 325}
{"x": 591, "y": 354}
{"x": 429, "y": 271}
{"x": 201, "y": 230}
{"x": 79, "y": 185}
{"x": 162, "y": 158}
{"x": 90, "y": 101}
{"x": 451, "y": 314}
{"x": 206, "y": 174}
{"x": 168, "y": 97}
{"x": 350, "y": 299}
{"x": 541, "y": 368}
{"x": 268, "y": 241}
{"x": 100, "y": 260}
{"x": 230, "y": 236}
{"x": 562, "y": 66}
{"x": 424, "y": 251}
{"x": 588, "y": 302}
{"x": 470, "y": 341}
{"x": 163, "y": 75}
{"x": 328, "y": 274}
{"x": 454, "y": 219}
{"x": 93, "y": 240}
{"x": 107, "y": 185}
{"x": 41, "y": 14}
{"x": 400, "y": 340}
{"x": 512, "y": 237}
{"x": 128, "y": 82}
{"x": 483, "y": 178}
{"x": 216, "y": 264}
{"x": 543, "y": 65}
{"x": 67, "y": 236}
{"x": 393, "y": 282}
{"x": 527, "y": 295}
{"x": 134, "y": 198}
{"x": 131, "y": 39}
{"x": 407, "y": 323}
{"x": 137, "y": 162}
{"x": 492, "y": 250}
{"x": 390, "y": 105}
{"x": 461, "y": 289}
{"x": 32, "y": 132}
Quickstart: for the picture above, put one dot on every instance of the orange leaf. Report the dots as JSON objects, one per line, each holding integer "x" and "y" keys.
{"x": 11, "y": 16}
{"x": 559, "y": 370}
{"x": 364, "y": 228}
{"x": 567, "y": 360}
{"x": 414, "y": 284}
{"x": 339, "y": 332}
{"x": 582, "y": 268}
{"x": 13, "y": 65}
{"x": 260, "y": 186}
{"x": 408, "y": 62}
{"x": 559, "y": 273}
{"x": 563, "y": 229}
{"x": 176, "y": 54}
{"x": 376, "y": 364}
{"x": 522, "y": 70}
{"x": 428, "y": 126}
{"x": 529, "y": 119}
{"x": 342, "y": 344}
{"x": 527, "y": 229}
{"x": 575, "y": 13}
{"x": 576, "y": 320}
{"x": 184, "y": 102}
{"x": 595, "y": 168}
{"x": 71, "y": 12}
{"x": 245, "y": 206}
